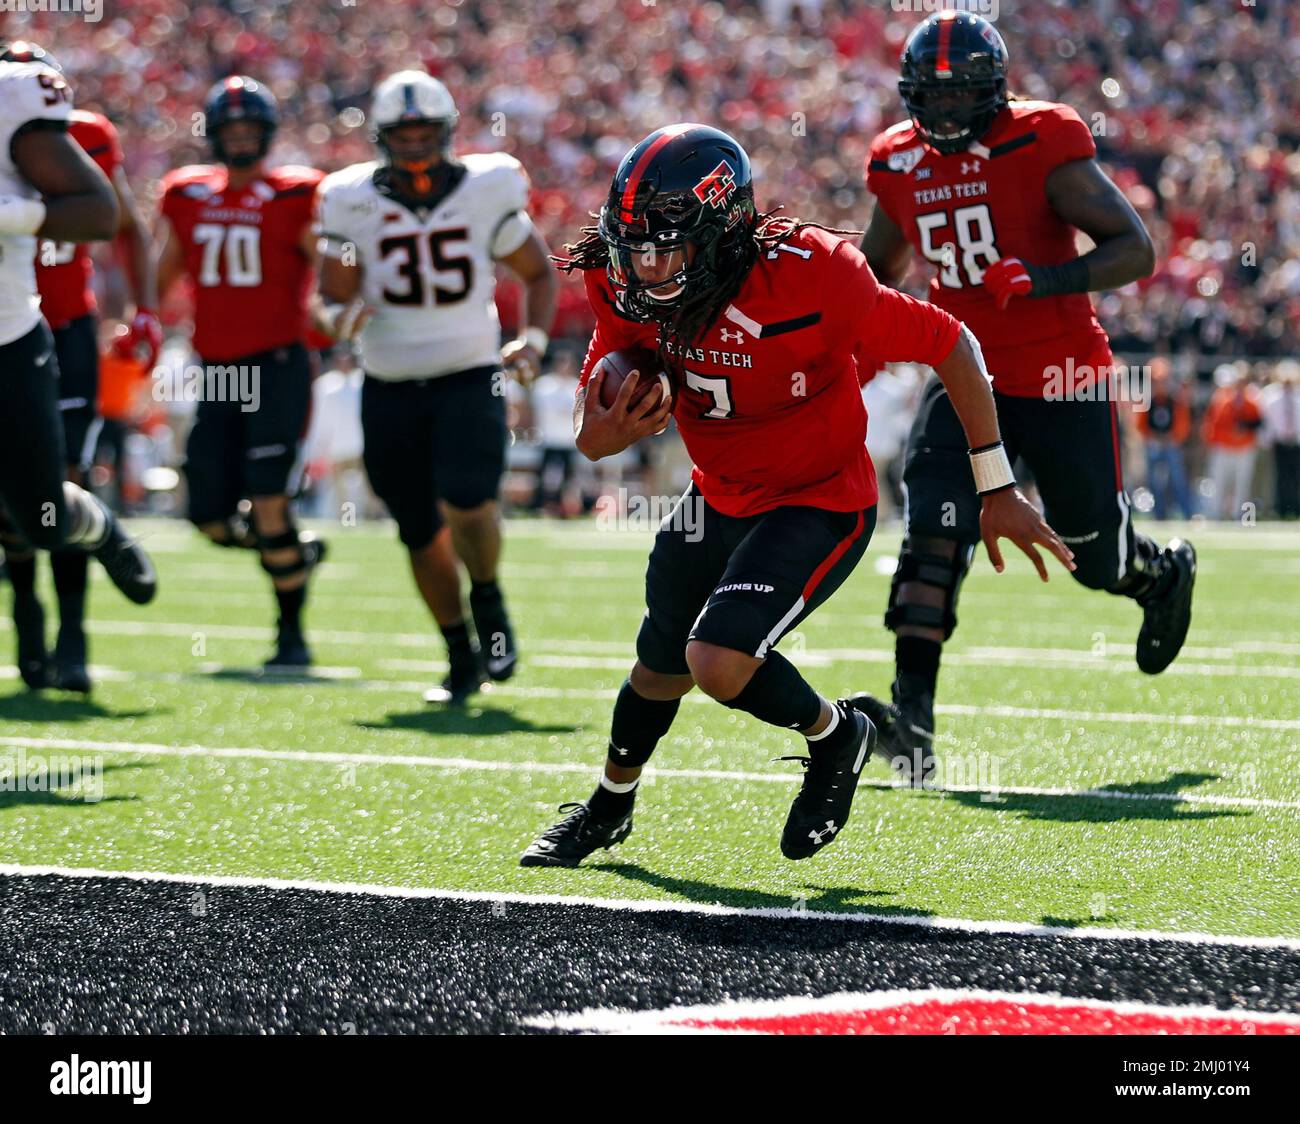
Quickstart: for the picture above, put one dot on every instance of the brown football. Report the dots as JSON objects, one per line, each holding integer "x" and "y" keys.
{"x": 617, "y": 365}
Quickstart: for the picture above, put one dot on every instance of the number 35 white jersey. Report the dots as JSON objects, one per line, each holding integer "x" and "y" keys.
{"x": 429, "y": 275}
{"x": 29, "y": 93}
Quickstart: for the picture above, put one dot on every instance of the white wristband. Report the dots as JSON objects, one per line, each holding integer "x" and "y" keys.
{"x": 20, "y": 216}
{"x": 536, "y": 339}
{"x": 991, "y": 468}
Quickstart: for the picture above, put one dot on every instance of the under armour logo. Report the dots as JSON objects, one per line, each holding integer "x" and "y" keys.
{"x": 726, "y": 336}
{"x": 969, "y": 168}
{"x": 816, "y": 836}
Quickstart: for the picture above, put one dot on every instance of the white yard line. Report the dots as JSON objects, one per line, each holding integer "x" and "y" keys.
{"x": 1018, "y": 928}
{"x": 1065, "y": 659}
{"x": 422, "y": 761}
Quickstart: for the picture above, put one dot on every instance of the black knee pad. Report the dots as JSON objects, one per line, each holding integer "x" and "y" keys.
{"x": 921, "y": 561}
{"x": 282, "y": 541}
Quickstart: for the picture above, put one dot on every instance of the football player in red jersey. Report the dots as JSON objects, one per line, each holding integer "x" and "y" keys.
{"x": 758, "y": 319}
{"x": 63, "y": 276}
{"x": 992, "y": 190}
{"x": 243, "y": 232}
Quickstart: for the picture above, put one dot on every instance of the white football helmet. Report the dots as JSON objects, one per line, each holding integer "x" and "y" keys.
{"x": 411, "y": 96}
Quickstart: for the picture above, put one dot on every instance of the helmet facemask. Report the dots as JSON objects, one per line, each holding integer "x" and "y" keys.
{"x": 417, "y": 162}
{"x": 709, "y": 254}
{"x": 951, "y": 116}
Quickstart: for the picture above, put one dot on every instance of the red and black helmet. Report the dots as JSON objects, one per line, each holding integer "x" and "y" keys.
{"x": 239, "y": 98}
{"x": 682, "y": 184}
{"x": 954, "y": 79}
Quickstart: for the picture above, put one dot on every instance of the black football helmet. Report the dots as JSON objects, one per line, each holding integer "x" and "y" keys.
{"x": 239, "y": 98}
{"x": 23, "y": 50}
{"x": 682, "y": 184}
{"x": 954, "y": 79}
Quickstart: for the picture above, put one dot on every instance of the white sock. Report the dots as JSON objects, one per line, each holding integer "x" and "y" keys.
{"x": 830, "y": 726}
{"x": 611, "y": 786}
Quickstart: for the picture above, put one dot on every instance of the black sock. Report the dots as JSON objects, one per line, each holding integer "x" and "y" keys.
{"x": 484, "y": 594}
{"x": 637, "y": 725}
{"x": 22, "y": 576}
{"x": 457, "y": 639}
{"x": 918, "y": 658}
{"x": 608, "y": 805}
{"x": 779, "y": 695}
{"x": 291, "y": 602}
{"x": 69, "y": 569}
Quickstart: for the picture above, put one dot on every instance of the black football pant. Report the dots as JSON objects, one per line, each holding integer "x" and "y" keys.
{"x": 1072, "y": 448}
{"x": 33, "y": 511}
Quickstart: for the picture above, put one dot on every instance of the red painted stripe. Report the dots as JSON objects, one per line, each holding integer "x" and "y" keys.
{"x": 945, "y": 36}
{"x": 833, "y": 557}
{"x": 991, "y": 1016}
{"x": 634, "y": 180}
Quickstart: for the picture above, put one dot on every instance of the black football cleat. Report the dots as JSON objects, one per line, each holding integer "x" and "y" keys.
{"x": 496, "y": 638}
{"x": 69, "y": 668}
{"x": 464, "y": 679}
{"x": 571, "y": 840}
{"x": 906, "y": 733}
{"x": 1167, "y": 609}
{"x": 33, "y": 658}
{"x": 821, "y": 808}
{"x": 127, "y": 565}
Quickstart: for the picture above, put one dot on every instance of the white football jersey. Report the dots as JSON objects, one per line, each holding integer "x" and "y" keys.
{"x": 29, "y": 91}
{"x": 431, "y": 277}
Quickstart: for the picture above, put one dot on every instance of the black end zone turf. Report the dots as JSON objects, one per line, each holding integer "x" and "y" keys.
{"x": 115, "y": 956}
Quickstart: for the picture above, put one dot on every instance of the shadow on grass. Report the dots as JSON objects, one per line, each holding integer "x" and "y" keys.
{"x": 1140, "y": 800}
{"x": 841, "y": 899}
{"x": 37, "y": 706}
{"x": 43, "y": 786}
{"x": 477, "y": 721}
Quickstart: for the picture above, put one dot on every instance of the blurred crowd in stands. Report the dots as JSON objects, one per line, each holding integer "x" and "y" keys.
{"x": 1195, "y": 107}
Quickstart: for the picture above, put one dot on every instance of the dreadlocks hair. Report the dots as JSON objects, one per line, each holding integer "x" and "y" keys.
{"x": 693, "y": 317}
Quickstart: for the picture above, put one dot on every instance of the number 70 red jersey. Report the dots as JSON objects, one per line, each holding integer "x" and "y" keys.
{"x": 963, "y": 212}
{"x": 243, "y": 251}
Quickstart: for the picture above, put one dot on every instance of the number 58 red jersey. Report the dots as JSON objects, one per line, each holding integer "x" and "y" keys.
{"x": 243, "y": 250}
{"x": 965, "y": 211}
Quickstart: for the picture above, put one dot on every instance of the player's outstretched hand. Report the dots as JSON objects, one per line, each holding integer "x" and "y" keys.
{"x": 1008, "y": 515}
{"x": 602, "y": 432}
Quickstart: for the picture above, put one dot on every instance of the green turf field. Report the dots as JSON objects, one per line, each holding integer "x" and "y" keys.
{"x": 351, "y": 778}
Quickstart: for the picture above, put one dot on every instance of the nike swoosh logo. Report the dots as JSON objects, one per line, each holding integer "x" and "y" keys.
{"x": 44, "y": 358}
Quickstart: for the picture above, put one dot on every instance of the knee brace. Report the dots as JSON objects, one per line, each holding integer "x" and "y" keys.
{"x": 923, "y": 560}
{"x": 282, "y": 541}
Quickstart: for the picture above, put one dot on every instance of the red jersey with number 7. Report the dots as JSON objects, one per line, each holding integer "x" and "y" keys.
{"x": 965, "y": 211}
{"x": 64, "y": 269}
{"x": 243, "y": 251}
{"x": 767, "y": 402}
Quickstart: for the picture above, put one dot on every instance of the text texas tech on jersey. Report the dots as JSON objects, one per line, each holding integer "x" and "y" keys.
{"x": 243, "y": 249}
{"x": 965, "y": 211}
{"x": 768, "y": 403}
